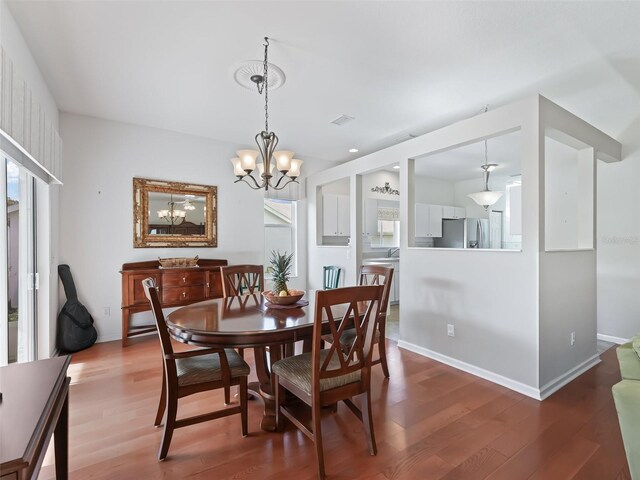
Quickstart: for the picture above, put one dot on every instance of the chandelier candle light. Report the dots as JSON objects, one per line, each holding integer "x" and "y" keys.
{"x": 173, "y": 215}
{"x": 245, "y": 163}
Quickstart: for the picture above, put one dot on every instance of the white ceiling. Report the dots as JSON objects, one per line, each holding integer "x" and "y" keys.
{"x": 463, "y": 163}
{"x": 397, "y": 67}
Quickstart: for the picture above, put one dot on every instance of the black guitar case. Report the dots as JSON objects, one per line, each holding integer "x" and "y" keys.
{"x": 75, "y": 324}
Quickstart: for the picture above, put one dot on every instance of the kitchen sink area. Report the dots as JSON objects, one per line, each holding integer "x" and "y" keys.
{"x": 388, "y": 256}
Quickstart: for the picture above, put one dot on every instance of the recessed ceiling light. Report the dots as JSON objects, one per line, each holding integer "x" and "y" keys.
{"x": 353, "y": 150}
{"x": 397, "y": 167}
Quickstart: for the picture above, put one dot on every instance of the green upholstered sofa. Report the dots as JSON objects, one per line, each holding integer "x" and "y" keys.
{"x": 626, "y": 395}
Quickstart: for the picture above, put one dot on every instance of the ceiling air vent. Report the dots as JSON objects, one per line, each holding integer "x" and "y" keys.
{"x": 405, "y": 138}
{"x": 342, "y": 119}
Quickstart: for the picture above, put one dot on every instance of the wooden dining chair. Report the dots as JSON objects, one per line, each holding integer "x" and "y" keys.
{"x": 323, "y": 377}
{"x": 331, "y": 277}
{"x": 238, "y": 280}
{"x": 374, "y": 275}
{"x": 194, "y": 371}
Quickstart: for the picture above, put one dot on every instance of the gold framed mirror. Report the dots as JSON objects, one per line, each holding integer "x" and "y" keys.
{"x": 174, "y": 214}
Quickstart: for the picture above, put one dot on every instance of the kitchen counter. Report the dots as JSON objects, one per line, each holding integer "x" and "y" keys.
{"x": 382, "y": 259}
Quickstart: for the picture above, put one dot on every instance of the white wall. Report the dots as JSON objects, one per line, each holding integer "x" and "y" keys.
{"x": 101, "y": 158}
{"x": 618, "y": 240}
{"x": 435, "y": 191}
{"x": 339, "y": 187}
{"x": 567, "y": 304}
{"x": 15, "y": 46}
{"x": 378, "y": 179}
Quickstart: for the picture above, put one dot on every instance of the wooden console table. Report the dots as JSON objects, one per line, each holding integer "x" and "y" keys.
{"x": 35, "y": 405}
{"x": 177, "y": 287}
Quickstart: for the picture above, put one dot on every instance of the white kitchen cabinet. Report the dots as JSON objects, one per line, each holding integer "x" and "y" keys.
{"x": 428, "y": 220}
{"x": 394, "y": 293}
{"x": 370, "y": 217}
{"x": 448, "y": 212}
{"x": 335, "y": 215}
{"x": 453, "y": 213}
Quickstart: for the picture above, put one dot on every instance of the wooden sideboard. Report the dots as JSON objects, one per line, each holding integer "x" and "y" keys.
{"x": 177, "y": 287}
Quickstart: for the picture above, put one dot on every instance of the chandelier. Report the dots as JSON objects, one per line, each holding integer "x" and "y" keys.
{"x": 486, "y": 197}
{"x": 244, "y": 165}
{"x": 175, "y": 216}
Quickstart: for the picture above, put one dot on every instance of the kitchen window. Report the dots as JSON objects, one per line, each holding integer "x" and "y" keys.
{"x": 280, "y": 230}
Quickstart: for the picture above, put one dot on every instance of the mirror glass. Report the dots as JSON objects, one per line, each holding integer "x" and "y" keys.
{"x": 174, "y": 214}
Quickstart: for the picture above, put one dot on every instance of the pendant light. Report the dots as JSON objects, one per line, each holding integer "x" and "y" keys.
{"x": 486, "y": 197}
{"x": 245, "y": 163}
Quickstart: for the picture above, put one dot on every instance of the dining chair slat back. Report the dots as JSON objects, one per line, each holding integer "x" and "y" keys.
{"x": 193, "y": 371}
{"x": 331, "y": 277}
{"x": 239, "y": 280}
{"x": 325, "y": 376}
{"x": 380, "y": 275}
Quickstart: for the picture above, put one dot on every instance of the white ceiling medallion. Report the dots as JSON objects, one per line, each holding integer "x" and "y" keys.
{"x": 244, "y": 71}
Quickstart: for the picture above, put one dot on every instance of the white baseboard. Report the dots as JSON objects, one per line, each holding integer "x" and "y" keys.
{"x": 610, "y": 339}
{"x": 118, "y": 336}
{"x": 109, "y": 338}
{"x": 560, "y": 381}
{"x": 509, "y": 383}
{"x": 529, "y": 391}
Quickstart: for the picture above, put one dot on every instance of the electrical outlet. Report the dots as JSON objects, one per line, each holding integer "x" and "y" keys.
{"x": 573, "y": 338}
{"x": 451, "y": 331}
{"x": 107, "y": 311}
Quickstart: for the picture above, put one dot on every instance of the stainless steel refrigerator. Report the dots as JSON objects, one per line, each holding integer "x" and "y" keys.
{"x": 464, "y": 233}
{"x": 478, "y": 233}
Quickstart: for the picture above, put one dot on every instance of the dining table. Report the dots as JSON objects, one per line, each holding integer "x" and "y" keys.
{"x": 248, "y": 321}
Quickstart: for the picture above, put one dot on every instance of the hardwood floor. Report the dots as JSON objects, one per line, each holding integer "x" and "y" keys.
{"x": 432, "y": 422}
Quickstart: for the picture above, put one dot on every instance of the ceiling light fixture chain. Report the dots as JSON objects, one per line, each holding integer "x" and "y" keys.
{"x": 266, "y": 84}
{"x": 245, "y": 164}
{"x": 486, "y": 197}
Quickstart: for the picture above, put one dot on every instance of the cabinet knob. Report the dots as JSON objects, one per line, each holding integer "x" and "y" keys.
{"x": 207, "y": 284}
{"x": 184, "y": 279}
{"x": 184, "y": 294}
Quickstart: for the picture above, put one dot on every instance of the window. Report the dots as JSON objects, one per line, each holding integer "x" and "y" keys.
{"x": 280, "y": 232}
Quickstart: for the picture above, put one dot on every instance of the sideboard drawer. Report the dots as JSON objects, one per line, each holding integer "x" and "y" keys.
{"x": 136, "y": 288}
{"x": 178, "y": 279}
{"x": 180, "y": 295}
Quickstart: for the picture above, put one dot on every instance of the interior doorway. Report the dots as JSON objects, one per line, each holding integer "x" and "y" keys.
{"x": 495, "y": 229}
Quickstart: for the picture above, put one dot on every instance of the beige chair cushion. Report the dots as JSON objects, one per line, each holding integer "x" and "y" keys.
{"x": 206, "y": 368}
{"x": 297, "y": 370}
